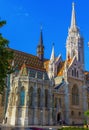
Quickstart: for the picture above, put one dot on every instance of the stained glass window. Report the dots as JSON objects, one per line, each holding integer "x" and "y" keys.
{"x": 22, "y": 96}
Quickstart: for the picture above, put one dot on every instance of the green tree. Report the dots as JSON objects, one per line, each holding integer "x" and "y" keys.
{"x": 86, "y": 113}
{"x": 6, "y": 57}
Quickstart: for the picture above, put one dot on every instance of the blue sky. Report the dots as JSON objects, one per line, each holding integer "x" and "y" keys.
{"x": 25, "y": 17}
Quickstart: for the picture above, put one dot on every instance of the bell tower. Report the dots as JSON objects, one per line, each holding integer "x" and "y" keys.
{"x": 40, "y": 47}
{"x": 74, "y": 42}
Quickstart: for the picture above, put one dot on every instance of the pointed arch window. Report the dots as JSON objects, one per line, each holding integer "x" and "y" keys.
{"x": 72, "y": 72}
{"x": 31, "y": 97}
{"x": 39, "y": 96}
{"x": 75, "y": 72}
{"x": 75, "y": 95}
{"x": 46, "y": 97}
{"x": 22, "y": 96}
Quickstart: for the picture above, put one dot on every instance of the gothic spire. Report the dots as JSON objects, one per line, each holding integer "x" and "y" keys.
{"x": 40, "y": 47}
{"x": 73, "y": 17}
{"x": 52, "y": 54}
{"x": 41, "y": 37}
{"x": 51, "y": 71}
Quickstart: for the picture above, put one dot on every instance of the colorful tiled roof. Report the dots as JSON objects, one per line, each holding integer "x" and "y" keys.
{"x": 62, "y": 65}
{"x": 31, "y": 61}
{"x": 61, "y": 68}
{"x": 46, "y": 65}
{"x": 86, "y": 72}
{"x": 86, "y": 75}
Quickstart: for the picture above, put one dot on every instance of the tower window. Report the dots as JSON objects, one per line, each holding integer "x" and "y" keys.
{"x": 75, "y": 72}
{"x": 75, "y": 95}
{"x": 72, "y": 72}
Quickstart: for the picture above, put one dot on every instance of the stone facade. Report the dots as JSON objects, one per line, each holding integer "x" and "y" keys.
{"x": 35, "y": 103}
{"x": 44, "y": 92}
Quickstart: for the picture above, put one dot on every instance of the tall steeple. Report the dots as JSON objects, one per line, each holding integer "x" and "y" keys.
{"x": 74, "y": 42}
{"x": 73, "y": 17}
{"x": 40, "y": 47}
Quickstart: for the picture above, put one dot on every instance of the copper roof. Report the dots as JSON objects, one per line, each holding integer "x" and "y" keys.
{"x": 30, "y": 60}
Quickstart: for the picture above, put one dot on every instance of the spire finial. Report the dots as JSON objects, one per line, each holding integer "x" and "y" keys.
{"x": 73, "y": 5}
{"x": 41, "y": 37}
{"x": 73, "y": 17}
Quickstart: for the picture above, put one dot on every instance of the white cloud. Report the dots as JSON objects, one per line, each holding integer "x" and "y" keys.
{"x": 21, "y": 11}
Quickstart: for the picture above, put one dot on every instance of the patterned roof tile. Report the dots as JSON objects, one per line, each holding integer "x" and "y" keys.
{"x": 30, "y": 60}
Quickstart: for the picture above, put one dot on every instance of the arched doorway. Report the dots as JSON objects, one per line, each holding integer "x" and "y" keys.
{"x": 58, "y": 117}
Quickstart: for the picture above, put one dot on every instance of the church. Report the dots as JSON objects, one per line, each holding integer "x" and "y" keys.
{"x": 46, "y": 91}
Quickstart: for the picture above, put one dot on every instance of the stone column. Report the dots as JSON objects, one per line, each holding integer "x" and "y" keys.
{"x": 26, "y": 109}
{"x": 13, "y": 116}
{"x": 35, "y": 104}
{"x": 51, "y": 106}
{"x": 50, "y": 121}
{"x": 67, "y": 104}
{"x": 26, "y": 102}
{"x": 84, "y": 96}
{"x": 43, "y": 103}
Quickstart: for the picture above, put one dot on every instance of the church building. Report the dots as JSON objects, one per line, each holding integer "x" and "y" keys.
{"x": 46, "y": 91}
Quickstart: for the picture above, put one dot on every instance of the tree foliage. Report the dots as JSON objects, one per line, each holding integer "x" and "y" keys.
{"x": 6, "y": 56}
{"x": 86, "y": 113}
